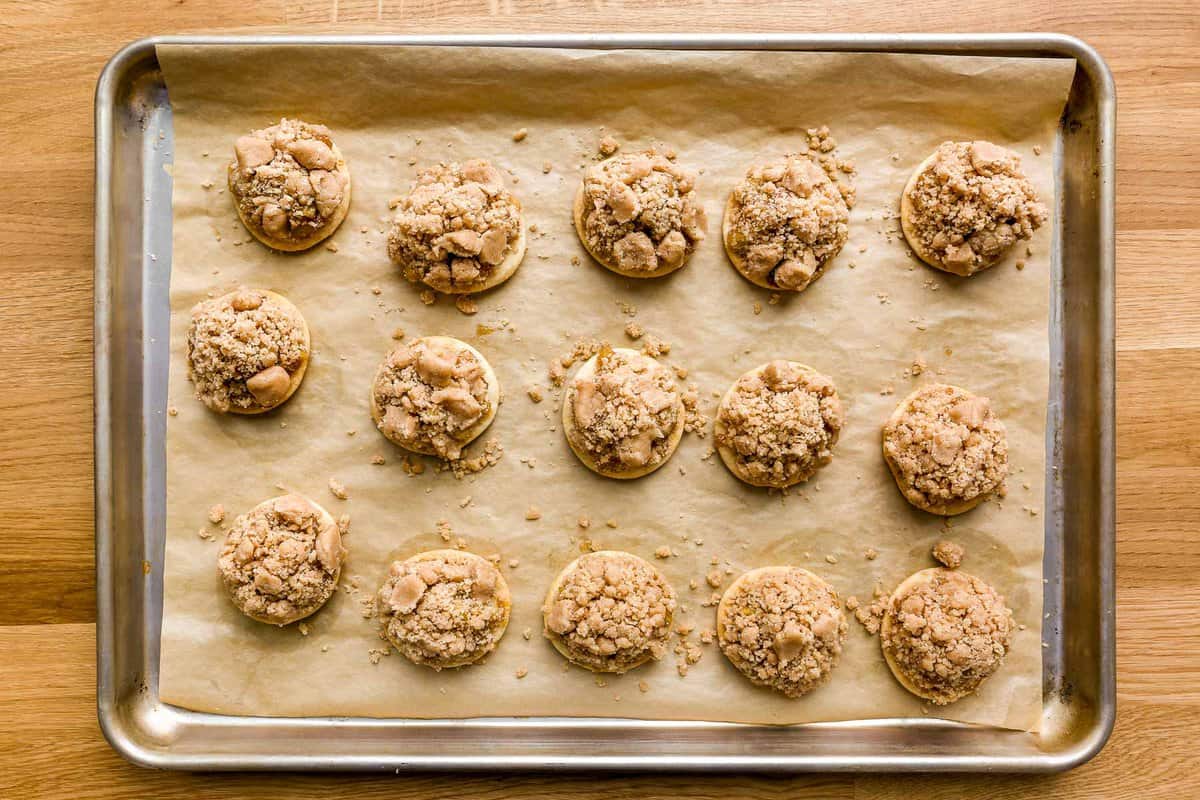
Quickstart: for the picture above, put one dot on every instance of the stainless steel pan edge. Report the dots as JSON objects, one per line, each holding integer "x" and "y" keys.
{"x": 1081, "y": 579}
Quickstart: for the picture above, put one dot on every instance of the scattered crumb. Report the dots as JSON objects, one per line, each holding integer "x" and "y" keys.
{"x": 378, "y": 460}
{"x": 444, "y": 531}
{"x": 1020, "y": 265}
{"x": 428, "y": 297}
{"x": 634, "y": 331}
{"x": 338, "y": 489}
{"x": 832, "y": 559}
{"x": 608, "y": 146}
{"x": 466, "y": 304}
{"x": 1037, "y": 149}
{"x": 216, "y": 514}
{"x": 205, "y": 533}
{"x": 663, "y": 552}
{"x": 535, "y": 393}
{"x": 612, "y": 523}
{"x": 714, "y": 578}
{"x": 774, "y": 299}
{"x": 546, "y": 167}
{"x": 870, "y": 554}
{"x": 948, "y": 554}
{"x": 520, "y": 134}
{"x": 521, "y": 673}
{"x": 532, "y": 513}
{"x": 643, "y": 687}
{"x": 398, "y": 334}
{"x": 757, "y": 308}
{"x": 173, "y": 411}
{"x": 376, "y": 653}
{"x": 343, "y": 524}
{"x": 584, "y": 522}
{"x": 654, "y": 347}
{"x": 303, "y": 628}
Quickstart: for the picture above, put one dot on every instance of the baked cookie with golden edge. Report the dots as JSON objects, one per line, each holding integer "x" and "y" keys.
{"x": 609, "y": 611}
{"x": 458, "y": 230}
{"x": 777, "y": 424}
{"x": 784, "y": 222}
{"x": 434, "y": 395}
{"x": 281, "y": 560}
{"x": 623, "y": 413}
{"x": 290, "y": 184}
{"x": 944, "y": 632}
{"x": 444, "y": 608}
{"x": 946, "y": 449}
{"x": 966, "y": 205}
{"x": 782, "y": 627}
{"x": 638, "y": 214}
{"x": 247, "y": 351}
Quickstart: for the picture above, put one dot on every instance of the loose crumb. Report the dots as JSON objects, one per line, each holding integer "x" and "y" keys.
{"x": 216, "y": 514}
{"x": 608, "y": 146}
{"x": 466, "y": 304}
{"x": 338, "y": 489}
{"x": 378, "y": 460}
{"x": 634, "y": 331}
{"x": 948, "y": 554}
{"x": 521, "y": 673}
{"x": 532, "y": 513}
{"x": 870, "y": 554}
{"x": 535, "y": 393}
{"x": 520, "y": 134}
{"x": 663, "y": 552}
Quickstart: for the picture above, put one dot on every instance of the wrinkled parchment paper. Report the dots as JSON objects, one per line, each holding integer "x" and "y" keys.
{"x": 875, "y": 312}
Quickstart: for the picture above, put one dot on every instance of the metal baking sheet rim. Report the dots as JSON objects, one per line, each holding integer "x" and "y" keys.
{"x": 152, "y": 734}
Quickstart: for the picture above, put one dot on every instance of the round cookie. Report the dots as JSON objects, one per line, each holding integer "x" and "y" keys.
{"x": 784, "y": 222}
{"x": 638, "y": 215}
{"x": 609, "y": 611}
{"x": 458, "y": 230}
{"x": 281, "y": 560}
{"x": 946, "y": 449}
{"x": 623, "y": 413}
{"x": 247, "y": 350}
{"x": 434, "y": 395}
{"x": 444, "y": 608}
{"x": 290, "y": 184}
{"x": 966, "y": 205}
{"x": 777, "y": 424}
{"x": 782, "y": 627}
{"x": 943, "y": 633}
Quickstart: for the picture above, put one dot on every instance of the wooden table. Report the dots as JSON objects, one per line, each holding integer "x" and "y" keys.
{"x": 50, "y": 55}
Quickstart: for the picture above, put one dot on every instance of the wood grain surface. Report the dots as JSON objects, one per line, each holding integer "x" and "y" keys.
{"x": 50, "y": 56}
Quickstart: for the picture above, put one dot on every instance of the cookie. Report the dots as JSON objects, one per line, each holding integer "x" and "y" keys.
{"x": 434, "y": 395}
{"x": 247, "y": 351}
{"x": 638, "y": 214}
{"x": 458, "y": 230}
{"x": 444, "y": 608}
{"x": 281, "y": 560}
{"x": 609, "y": 611}
{"x": 777, "y": 424}
{"x": 784, "y": 222}
{"x": 290, "y": 184}
{"x": 944, "y": 632}
{"x": 782, "y": 627}
{"x": 623, "y": 413}
{"x": 946, "y": 449}
{"x": 966, "y": 205}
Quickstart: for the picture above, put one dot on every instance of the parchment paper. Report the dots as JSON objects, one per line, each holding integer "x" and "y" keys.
{"x": 864, "y": 323}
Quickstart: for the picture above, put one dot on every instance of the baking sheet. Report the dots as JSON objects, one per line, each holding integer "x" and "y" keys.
{"x": 863, "y": 326}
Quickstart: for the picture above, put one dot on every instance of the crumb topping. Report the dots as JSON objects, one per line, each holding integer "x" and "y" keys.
{"x": 281, "y": 560}
{"x": 948, "y": 554}
{"x": 779, "y": 423}
{"x": 430, "y": 394}
{"x": 243, "y": 349}
{"x": 611, "y": 611}
{"x": 971, "y": 204}
{"x": 444, "y": 609}
{"x": 948, "y": 634}
{"x": 625, "y": 411}
{"x": 641, "y": 213}
{"x": 286, "y": 180}
{"x": 946, "y": 447}
{"x": 456, "y": 226}
{"x": 787, "y": 219}
{"x": 783, "y": 628}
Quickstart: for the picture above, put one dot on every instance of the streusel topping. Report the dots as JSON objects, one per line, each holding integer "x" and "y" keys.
{"x": 971, "y": 204}
{"x": 281, "y": 560}
{"x": 455, "y": 227}
{"x": 946, "y": 446}
{"x": 625, "y": 411}
{"x": 779, "y": 424}
{"x": 444, "y": 609}
{"x": 286, "y": 180}
{"x": 641, "y": 213}
{"x": 243, "y": 350}
{"x": 948, "y": 634}
{"x": 611, "y": 611}
{"x": 430, "y": 394}
{"x": 787, "y": 219}
{"x": 783, "y": 628}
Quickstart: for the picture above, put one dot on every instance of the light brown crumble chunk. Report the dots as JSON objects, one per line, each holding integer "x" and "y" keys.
{"x": 281, "y": 560}
{"x": 535, "y": 393}
{"x": 466, "y": 305}
{"x": 216, "y": 514}
{"x": 444, "y": 608}
{"x": 947, "y": 634}
{"x": 640, "y": 213}
{"x": 338, "y": 489}
{"x": 634, "y": 330}
{"x": 970, "y": 205}
{"x": 519, "y": 134}
{"x": 608, "y": 145}
{"x": 610, "y": 611}
{"x": 623, "y": 414}
{"x": 778, "y": 424}
{"x": 288, "y": 182}
{"x": 431, "y": 395}
{"x": 455, "y": 227}
{"x": 948, "y": 554}
{"x": 786, "y": 220}
{"x": 244, "y": 349}
{"x": 783, "y": 628}
{"x": 580, "y": 351}
{"x": 946, "y": 448}
{"x": 533, "y": 514}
